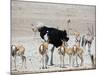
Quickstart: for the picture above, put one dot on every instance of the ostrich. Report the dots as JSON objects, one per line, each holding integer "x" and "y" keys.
{"x": 44, "y": 56}
{"x": 18, "y": 50}
{"x": 53, "y": 36}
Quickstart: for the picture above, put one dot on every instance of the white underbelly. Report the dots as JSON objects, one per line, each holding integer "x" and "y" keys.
{"x": 46, "y": 37}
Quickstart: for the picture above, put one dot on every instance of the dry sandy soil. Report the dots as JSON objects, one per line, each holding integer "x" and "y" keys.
{"x": 55, "y": 15}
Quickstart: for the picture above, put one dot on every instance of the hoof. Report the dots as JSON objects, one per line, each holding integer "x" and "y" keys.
{"x": 42, "y": 67}
{"x": 46, "y": 67}
{"x": 15, "y": 69}
{"x": 50, "y": 64}
{"x": 76, "y": 65}
{"x": 62, "y": 67}
{"x": 25, "y": 67}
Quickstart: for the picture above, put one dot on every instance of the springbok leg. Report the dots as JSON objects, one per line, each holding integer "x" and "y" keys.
{"x": 73, "y": 60}
{"x": 63, "y": 61}
{"x": 41, "y": 62}
{"x": 89, "y": 48}
{"x": 76, "y": 60}
{"x": 81, "y": 57}
{"x": 70, "y": 60}
{"x": 92, "y": 60}
{"x": 46, "y": 61}
{"x": 24, "y": 61}
{"x": 60, "y": 60}
{"x": 91, "y": 56}
{"x": 15, "y": 61}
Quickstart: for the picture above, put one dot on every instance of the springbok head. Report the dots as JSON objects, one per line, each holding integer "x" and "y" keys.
{"x": 36, "y": 26}
{"x": 91, "y": 32}
{"x": 76, "y": 34}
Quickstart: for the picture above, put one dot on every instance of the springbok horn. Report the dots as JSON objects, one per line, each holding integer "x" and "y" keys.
{"x": 92, "y": 31}
{"x": 32, "y": 25}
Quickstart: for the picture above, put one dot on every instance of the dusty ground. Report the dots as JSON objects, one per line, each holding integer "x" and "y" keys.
{"x": 54, "y": 15}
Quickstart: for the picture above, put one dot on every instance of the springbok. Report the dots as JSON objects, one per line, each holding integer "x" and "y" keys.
{"x": 18, "y": 50}
{"x": 77, "y": 38}
{"x": 88, "y": 40}
{"x": 79, "y": 52}
{"x": 44, "y": 56}
{"x": 74, "y": 51}
{"x": 61, "y": 52}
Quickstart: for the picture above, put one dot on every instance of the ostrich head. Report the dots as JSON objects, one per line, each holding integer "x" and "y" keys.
{"x": 36, "y": 26}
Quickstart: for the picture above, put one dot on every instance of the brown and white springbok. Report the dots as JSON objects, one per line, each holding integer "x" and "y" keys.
{"x": 44, "y": 56}
{"x": 61, "y": 52}
{"x": 74, "y": 51}
{"x": 18, "y": 50}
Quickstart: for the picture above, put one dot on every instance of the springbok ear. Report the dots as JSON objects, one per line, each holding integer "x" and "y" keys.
{"x": 32, "y": 24}
{"x": 89, "y": 31}
{"x": 64, "y": 31}
{"x": 42, "y": 41}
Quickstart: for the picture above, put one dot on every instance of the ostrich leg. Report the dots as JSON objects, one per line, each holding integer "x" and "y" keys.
{"x": 51, "y": 57}
{"x": 52, "y": 50}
